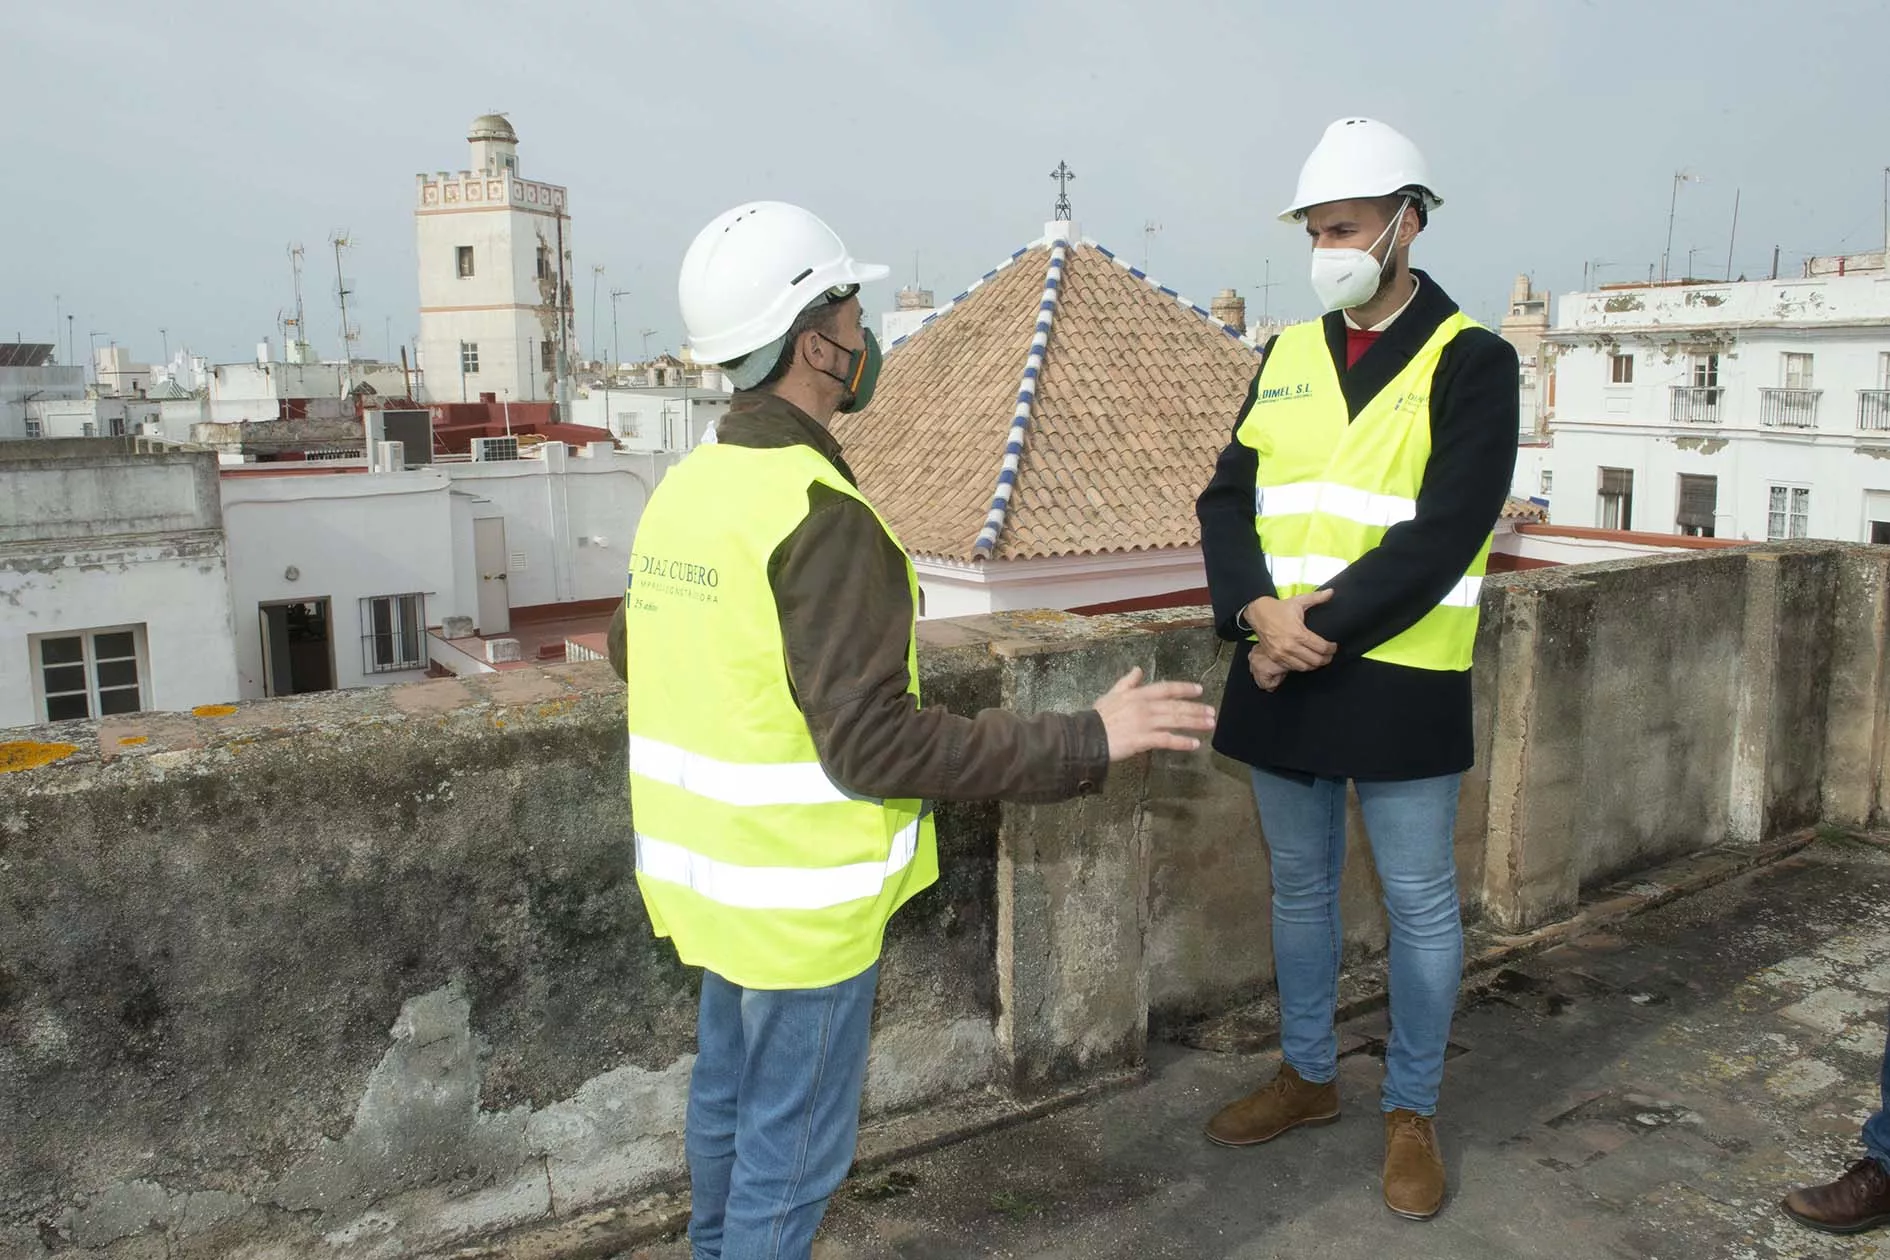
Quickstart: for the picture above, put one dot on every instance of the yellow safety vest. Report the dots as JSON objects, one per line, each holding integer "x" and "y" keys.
{"x": 1329, "y": 488}
{"x": 758, "y": 865}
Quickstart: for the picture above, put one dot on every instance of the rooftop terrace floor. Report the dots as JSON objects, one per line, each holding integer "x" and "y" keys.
{"x": 1649, "y": 1091}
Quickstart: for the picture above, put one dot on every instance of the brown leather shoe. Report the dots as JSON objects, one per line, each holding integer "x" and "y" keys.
{"x": 1287, "y": 1102}
{"x": 1855, "y": 1202}
{"x": 1414, "y": 1167}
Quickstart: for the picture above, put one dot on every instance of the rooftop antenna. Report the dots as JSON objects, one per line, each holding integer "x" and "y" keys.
{"x": 646, "y": 334}
{"x": 615, "y": 356}
{"x": 1063, "y": 175}
{"x": 1673, "y": 203}
{"x": 1266, "y": 294}
{"x": 340, "y": 241}
{"x": 1149, "y": 229}
{"x": 597, "y": 273}
{"x": 301, "y": 330}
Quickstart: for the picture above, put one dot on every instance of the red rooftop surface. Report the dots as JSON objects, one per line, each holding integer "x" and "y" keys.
{"x": 455, "y": 425}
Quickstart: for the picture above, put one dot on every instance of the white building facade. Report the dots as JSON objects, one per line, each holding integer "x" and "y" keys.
{"x": 29, "y": 375}
{"x": 1752, "y": 411}
{"x": 339, "y": 577}
{"x": 495, "y": 276}
{"x": 653, "y": 420}
{"x": 114, "y": 590}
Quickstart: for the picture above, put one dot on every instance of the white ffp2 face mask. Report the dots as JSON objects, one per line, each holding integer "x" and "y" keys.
{"x": 1344, "y": 278}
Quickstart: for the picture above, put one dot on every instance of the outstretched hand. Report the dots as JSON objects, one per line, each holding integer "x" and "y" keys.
{"x": 1142, "y": 717}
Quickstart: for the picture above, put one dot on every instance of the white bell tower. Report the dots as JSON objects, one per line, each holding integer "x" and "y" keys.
{"x": 495, "y": 276}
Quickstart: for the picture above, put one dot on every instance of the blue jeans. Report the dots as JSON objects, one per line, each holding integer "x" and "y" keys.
{"x": 774, "y": 1111}
{"x": 1411, "y": 825}
{"x": 1877, "y": 1128}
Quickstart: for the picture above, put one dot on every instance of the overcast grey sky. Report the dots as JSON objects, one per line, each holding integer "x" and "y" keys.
{"x": 161, "y": 157}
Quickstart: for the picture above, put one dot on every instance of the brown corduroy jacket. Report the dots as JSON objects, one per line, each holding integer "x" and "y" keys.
{"x": 846, "y": 614}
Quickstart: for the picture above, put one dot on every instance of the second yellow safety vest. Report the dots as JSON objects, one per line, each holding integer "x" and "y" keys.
{"x": 1330, "y": 485}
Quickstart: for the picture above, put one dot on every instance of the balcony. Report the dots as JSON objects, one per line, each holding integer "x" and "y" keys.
{"x": 1695, "y": 404}
{"x": 1873, "y": 410}
{"x": 1789, "y": 408}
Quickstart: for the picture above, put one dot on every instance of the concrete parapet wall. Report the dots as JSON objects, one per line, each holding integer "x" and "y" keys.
{"x": 370, "y": 968}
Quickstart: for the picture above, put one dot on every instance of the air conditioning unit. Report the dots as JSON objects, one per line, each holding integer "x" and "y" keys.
{"x": 494, "y": 448}
{"x": 391, "y": 456}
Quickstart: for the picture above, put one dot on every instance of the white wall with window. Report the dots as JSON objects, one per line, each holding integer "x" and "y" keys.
{"x": 114, "y": 587}
{"x": 335, "y": 577}
{"x": 20, "y": 385}
{"x": 1751, "y": 385}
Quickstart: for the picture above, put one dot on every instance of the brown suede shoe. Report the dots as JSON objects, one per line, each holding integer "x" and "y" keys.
{"x": 1855, "y": 1202}
{"x": 1287, "y": 1102}
{"x": 1414, "y": 1167}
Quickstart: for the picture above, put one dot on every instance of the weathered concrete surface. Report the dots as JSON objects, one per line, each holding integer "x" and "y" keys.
{"x": 1649, "y": 1092}
{"x": 372, "y": 967}
{"x": 1645, "y": 709}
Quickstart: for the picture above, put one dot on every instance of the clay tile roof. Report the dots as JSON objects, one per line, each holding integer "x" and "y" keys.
{"x": 1111, "y": 437}
{"x": 1524, "y": 510}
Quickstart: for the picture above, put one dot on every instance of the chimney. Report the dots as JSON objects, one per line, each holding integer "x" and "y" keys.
{"x": 1231, "y": 309}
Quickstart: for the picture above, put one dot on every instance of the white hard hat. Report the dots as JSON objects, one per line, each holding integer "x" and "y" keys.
{"x": 752, "y": 270}
{"x": 1361, "y": 157}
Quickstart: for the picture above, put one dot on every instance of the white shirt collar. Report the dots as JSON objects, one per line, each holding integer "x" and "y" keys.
{"x": 1387, "y": 321}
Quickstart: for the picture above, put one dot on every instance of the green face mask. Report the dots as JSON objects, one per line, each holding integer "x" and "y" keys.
{"x": 861, "y": 376}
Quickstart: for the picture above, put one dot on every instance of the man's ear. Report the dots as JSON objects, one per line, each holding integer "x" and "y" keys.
{"x": 806, "y": 347}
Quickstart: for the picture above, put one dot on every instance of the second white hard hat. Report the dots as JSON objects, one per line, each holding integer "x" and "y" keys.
{"x": 752, "y": 270}
{"x": 1361, "y": 157}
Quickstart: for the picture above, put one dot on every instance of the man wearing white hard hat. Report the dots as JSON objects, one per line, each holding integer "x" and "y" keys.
{"x": 781, "y": 767}
{"x": 1346, "y": 532}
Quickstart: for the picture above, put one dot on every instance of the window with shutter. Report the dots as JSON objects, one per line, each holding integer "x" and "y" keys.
{"x": 1699, "y": 500}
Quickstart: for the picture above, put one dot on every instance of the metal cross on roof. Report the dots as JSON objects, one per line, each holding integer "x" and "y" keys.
{"x": 1063, "y": 175}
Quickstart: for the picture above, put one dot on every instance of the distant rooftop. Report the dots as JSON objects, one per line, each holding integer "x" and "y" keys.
{"x": 1064, "y": 405}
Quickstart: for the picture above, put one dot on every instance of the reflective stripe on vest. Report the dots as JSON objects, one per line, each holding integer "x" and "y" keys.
{"x": 1330, "y": 485}
{"x": 1313, "y": 572}
{"x": 774, "y": 887}
{"x": 1302, "y": 498}
{"x": 731, "y": 783}
{"x": 749, "y": 856}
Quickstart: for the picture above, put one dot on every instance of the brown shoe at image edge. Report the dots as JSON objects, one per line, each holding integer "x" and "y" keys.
{"x": 1288, "y": 1101}
{"x": 1414, "y": 1167}
{"x": 1855, "y": 1202}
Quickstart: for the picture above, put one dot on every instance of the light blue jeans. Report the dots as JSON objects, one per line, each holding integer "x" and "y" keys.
{"x": 1877, "y": 1128}
{"x": 1411, "y": 825}
{"x": 774, "y": 1112}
